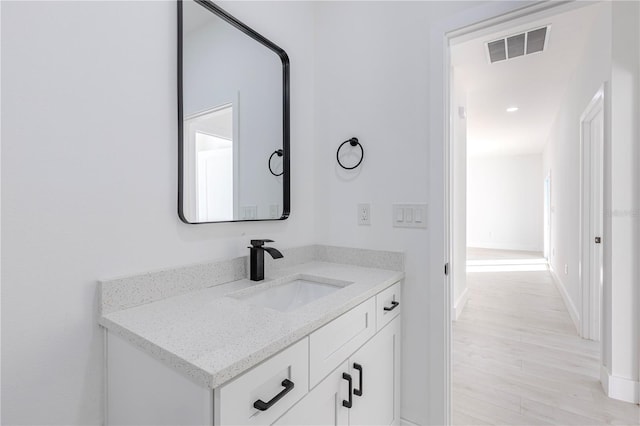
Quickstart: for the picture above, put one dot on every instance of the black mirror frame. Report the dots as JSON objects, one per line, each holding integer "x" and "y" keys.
{"x": 286, "y": 202}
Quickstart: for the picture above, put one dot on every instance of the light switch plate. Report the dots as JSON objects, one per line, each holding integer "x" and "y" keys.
{"x": 250, "y": 212}
{"x": 409, "y": 215}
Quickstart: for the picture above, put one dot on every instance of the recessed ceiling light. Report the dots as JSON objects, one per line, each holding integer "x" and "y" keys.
{"x": 512, "y": 109}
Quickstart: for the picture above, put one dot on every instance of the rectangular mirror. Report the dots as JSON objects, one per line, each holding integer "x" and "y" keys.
{"x": 233, "y": 119}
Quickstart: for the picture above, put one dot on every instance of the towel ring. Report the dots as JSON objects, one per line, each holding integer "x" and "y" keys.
{"x": 352, "y": 142}
{"x": 279, "y": 152}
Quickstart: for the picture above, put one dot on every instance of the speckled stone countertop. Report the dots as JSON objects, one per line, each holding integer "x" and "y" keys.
{"x": 211, "y": 336}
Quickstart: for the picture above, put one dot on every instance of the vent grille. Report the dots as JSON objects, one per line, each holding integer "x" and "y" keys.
{"x": 517, "y": 45}
{"x": 536, "y": 40}
{"x": 497, "y": 51}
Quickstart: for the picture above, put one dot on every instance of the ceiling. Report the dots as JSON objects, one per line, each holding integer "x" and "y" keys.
{"x": 534, "y": 83}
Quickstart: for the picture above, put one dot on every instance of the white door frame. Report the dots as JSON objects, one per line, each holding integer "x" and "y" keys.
{"x": 591, "y": 218}
{"x": 460, "y": 28}
{"x": 547, "y": 217}
{"x": 190, "y": 185}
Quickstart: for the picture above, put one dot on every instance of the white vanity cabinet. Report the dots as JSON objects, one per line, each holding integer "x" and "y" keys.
{"x": 307, "y": 383}
{"x": 372, "y": 397}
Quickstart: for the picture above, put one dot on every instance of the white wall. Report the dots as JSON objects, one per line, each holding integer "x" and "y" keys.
{"x": 615, "y": 36}
{"x": 562, "y": 155}
{"x": 505, "y": 197}
{"x": 89, "y": 181}
{"x": 621, "y": 325}
{"x": 0, "y": 212}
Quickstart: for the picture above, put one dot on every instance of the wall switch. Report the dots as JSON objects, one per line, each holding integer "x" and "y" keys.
{"x": 364, "y": 214}
{"x": 417, "y": 216}
{"x": 566, "y": 269}
{"x": 250, "y": 212}
{"x": 409, "y": 215}
{"x": 273, "y": 211}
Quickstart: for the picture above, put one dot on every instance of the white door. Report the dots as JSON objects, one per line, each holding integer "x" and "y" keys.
{"x": 323, "y": 405}
{"x": 596, "y": 223}
{"x": 375, "y": 369}
{"x": 592, "y": 139}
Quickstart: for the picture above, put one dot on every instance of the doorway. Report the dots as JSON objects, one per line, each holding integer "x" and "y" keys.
{"x": 531, "y": 359}
{"x": 591, "y": 215}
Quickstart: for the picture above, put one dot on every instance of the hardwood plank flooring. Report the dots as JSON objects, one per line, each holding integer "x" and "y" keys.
{"x": 474, "y": 253}
{"x": 517, "y": 359}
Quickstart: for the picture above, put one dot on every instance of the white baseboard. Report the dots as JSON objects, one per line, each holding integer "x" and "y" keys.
{"x": 619, "y": 388}
{"x": 573, "y": 311}
{"x": 405, "y": 422}
{"x": 459, "y": 304}
{"x": 503, "y": 246}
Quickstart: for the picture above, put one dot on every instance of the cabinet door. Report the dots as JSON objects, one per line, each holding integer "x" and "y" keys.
{"x": 378, "y": 364}
{"x": 323, "y": 405}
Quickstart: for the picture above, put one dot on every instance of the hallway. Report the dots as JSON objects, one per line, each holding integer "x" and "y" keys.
{"x": 517, "y": 358}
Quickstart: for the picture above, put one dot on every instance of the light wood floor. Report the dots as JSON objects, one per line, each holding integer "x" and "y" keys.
{"x": 474, "y": 253}
{"x": 517, "y": 359}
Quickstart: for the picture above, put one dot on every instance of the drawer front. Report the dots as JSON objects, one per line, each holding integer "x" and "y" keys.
{"x": 332, "y": 344}
{"x": 234, "y": 402}
{"x": 388, "y": 305}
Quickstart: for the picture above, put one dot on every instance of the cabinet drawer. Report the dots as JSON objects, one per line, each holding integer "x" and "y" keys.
{"x": 234, "y": 402}
{"x": 388, "y": 305}
{"x": 332, "y": 344}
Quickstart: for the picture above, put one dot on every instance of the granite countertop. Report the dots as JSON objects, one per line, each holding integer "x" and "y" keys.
{"x": 212, "y": 337}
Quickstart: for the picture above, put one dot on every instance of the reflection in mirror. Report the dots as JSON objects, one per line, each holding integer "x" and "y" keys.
{"x": 234, "y": 114}
{"x": 211, "y": 133}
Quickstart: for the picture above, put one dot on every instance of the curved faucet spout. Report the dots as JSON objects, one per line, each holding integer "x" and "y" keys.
{"x": 275, "y": 253}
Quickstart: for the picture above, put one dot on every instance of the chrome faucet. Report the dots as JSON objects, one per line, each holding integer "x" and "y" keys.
{"x": 256, "y": 258}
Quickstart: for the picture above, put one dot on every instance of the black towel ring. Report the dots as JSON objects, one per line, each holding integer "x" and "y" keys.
{"x": 352, "y": 142}
{"x": 279, "y": 152}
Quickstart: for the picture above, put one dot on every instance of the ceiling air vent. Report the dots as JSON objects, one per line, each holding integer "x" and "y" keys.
{"x": 517, "y": 45}
{"x": 497, "y": 51}
{"x": 536, "y": 40}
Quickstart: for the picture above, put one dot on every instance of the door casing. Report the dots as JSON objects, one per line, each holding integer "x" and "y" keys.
{"x": 591, "y": 215}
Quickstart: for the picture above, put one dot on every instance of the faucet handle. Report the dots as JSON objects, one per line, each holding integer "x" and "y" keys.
{"x": 260, "y": 243}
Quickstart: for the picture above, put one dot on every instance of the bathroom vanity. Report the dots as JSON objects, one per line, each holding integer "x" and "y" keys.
{"x": 317, "y": 342}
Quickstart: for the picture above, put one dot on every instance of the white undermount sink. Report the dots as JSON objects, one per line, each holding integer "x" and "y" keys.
{"x": 291, "y": 295}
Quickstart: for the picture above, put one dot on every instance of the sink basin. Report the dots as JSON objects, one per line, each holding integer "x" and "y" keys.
{"x": 291, "y": 295}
